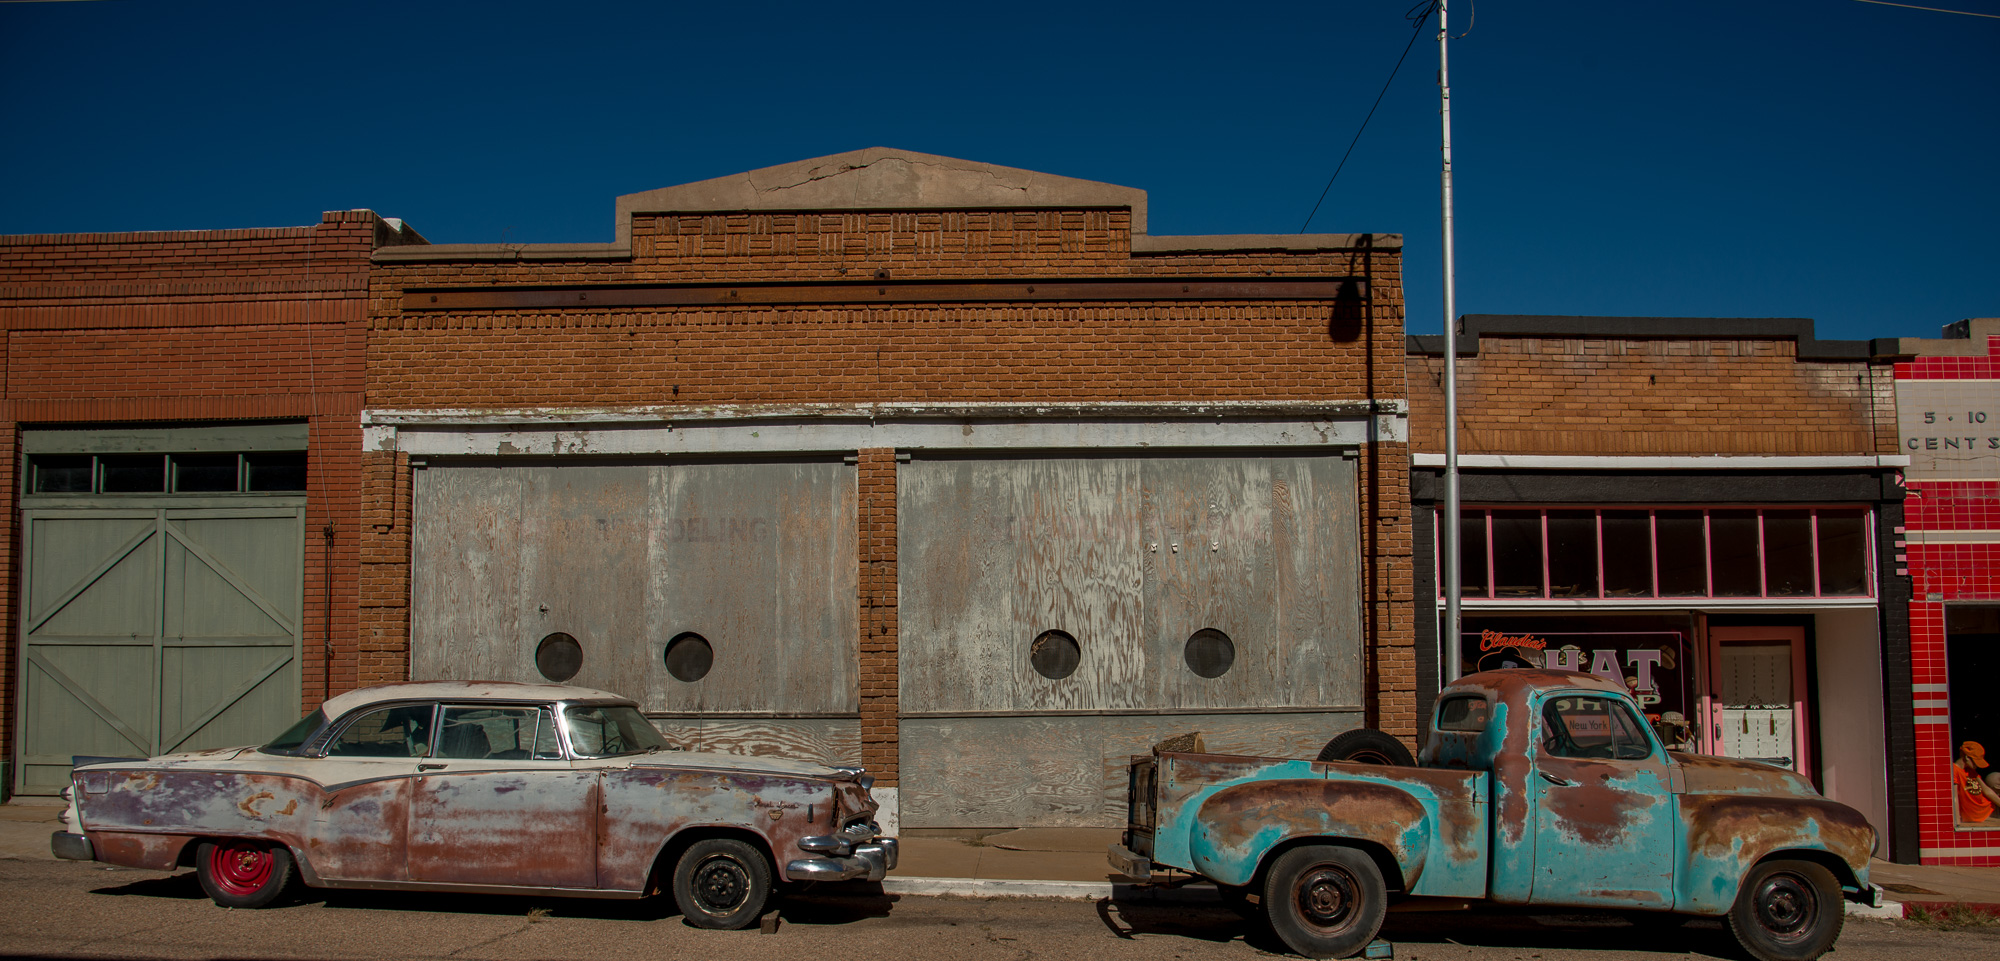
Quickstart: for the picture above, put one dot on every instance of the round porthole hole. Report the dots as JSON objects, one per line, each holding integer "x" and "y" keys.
{"x": 1209, "y": 652}
{"x": 1054, "y": 654}
{"x": 689, "y": 657}
{"x": 559, "y": 657}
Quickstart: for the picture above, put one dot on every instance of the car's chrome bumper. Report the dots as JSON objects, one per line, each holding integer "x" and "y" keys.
{"x": 71, "y": 847}
{"x": 869, "y": 860}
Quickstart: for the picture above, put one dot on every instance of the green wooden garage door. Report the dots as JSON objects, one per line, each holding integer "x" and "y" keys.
{"x": 154, "y": 630}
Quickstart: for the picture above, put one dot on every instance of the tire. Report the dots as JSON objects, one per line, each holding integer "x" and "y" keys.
{"x": 1236, "y": 898}
{"x": 243, "y": 874}
{"x": 1365, "y": 745}
{"x": 1325, "y": 901}
{"x": 1787, "y": 911}
{"x": 722, "y": 883}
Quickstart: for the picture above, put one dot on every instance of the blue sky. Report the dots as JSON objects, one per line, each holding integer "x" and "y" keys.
{"x": 1788, "y": 158}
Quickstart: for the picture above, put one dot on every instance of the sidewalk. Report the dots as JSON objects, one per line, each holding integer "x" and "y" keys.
{"x": 1070, "y": 862}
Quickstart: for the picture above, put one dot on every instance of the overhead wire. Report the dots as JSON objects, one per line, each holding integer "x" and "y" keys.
{"x": 1418, "y": 15}
{"x": 1912, "y": 6}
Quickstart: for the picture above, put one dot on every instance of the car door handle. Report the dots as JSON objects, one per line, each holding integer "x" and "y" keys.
{"x": 1552, "y": 779}
{"x": 435, "y": 767}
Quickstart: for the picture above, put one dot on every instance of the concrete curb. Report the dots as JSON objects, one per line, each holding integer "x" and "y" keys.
{"x": 1889, "y": 911}
{"x": 1071, "y": 890}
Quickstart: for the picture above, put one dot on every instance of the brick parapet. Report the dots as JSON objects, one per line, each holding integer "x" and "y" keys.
{"x": 1551, "y": 395}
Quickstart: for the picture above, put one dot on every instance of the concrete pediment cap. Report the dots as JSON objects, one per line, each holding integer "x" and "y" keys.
{"x": 882, "y": 178}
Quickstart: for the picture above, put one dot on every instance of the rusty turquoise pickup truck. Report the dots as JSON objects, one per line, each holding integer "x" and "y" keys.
{"x": 1535, "y": 787}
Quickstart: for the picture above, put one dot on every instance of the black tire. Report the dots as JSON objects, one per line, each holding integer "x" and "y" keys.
{"x": 1787, "y": 911}
{"x": 1236, "y": 897}
{"x": 722, "y": 883}
{"x": 1325, "y": 901}
{"x": 237, "y": 873}
{"x": 1366, "y": 745}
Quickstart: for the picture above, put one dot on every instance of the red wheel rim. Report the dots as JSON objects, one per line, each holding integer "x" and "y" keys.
{"x": 239, "y": 867}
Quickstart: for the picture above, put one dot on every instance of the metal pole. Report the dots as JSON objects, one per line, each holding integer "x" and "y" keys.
{"x": 1449, "y": 630}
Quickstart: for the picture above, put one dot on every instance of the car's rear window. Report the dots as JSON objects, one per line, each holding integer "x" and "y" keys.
{"x": 296, "y": 736}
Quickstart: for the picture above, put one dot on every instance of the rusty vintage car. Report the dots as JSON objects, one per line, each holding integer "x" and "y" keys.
{"x": 1535, "y": 787}
{"x": 481, "y": 787}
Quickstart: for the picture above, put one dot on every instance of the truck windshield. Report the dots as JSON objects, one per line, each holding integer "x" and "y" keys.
{"x": 600, "y": 730}
{"x": 296, "y": 736}
{"x": 1593, "y": 727}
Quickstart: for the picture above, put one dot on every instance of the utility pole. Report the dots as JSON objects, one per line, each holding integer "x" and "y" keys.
{"x": 1449, "y": 566}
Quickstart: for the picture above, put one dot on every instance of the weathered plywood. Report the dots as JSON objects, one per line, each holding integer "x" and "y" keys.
{"x": 1069, "y": 770}
{"x": 826, "y": 740}
{"x": 758, "y": 558}
{"x": 1131, "y": 555}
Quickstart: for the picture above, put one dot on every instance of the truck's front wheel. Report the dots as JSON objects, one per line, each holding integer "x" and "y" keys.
{"x": 1325, "y": 901}
{"x": 1787, "y": 911}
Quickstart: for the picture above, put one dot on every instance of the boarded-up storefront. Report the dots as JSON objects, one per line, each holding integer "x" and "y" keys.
{"x": 944, "y": 468}
{"x": 719, "y": 595}
{"x": 1062, "y": 613}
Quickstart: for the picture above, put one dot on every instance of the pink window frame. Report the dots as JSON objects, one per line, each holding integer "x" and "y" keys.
{"x": 1486, "y": 592}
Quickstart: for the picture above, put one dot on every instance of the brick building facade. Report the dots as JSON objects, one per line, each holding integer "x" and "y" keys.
{"x": 180, "y": 424}
{"x": 1702, "y": 508}
{"x": 907, "y": 461}
{"x": 1948, "y": 399}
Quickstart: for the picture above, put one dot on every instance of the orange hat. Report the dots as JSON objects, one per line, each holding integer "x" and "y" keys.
{"x": 1975, "y": 751}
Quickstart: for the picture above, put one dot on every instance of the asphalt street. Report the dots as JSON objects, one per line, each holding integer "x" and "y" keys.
{"x": 81, "y": 910}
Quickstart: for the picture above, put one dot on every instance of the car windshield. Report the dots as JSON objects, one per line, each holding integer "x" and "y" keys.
{"x": 295, "y": 736}
{"x": 608, "y": 730}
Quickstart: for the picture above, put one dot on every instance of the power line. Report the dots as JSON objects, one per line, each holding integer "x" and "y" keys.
{"x": 1420, "y": 18}
{"x": 1912, "y": 6}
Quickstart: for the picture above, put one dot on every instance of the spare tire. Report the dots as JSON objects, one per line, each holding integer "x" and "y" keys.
{"x": 1365, "y": 745}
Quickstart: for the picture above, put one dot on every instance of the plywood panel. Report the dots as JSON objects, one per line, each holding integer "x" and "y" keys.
{"x": 1069, "y": 771}
{"x": 1131, "y": 555}
{"x": 826, "y": 740}
{"x": 758, "y": 558}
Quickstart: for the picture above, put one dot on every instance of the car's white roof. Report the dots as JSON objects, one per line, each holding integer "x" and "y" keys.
{"x": 464, "y": 691}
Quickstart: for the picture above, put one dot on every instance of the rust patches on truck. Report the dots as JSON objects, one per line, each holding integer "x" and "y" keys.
{"x": 249, "y": 805}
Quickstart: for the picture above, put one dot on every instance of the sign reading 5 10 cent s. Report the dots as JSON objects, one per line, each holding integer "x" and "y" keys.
{"x": 1950, "y": 428}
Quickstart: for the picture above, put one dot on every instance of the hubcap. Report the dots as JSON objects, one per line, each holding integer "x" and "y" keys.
{"x": 240, "y": 868}
{"x": 1326, "y": 896}
{"x": 1786, "y": 907}
{"x": 720, "y": 885}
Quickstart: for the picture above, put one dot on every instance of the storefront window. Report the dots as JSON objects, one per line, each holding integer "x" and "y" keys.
{"x": 1972, "y": 655}
{"x": 1681, "y": 552}
{"x": 1650, "y": 663}
{"x": 1628, "y": 554}
{"x": 1517, "y": 553}
{"x": 1733, "y": 549}
{"x": 1843, "y": 552}
{"x": 1573, "y": 554}
{"x": 1683, "y": 559}
{"x": 1472, "y": 553}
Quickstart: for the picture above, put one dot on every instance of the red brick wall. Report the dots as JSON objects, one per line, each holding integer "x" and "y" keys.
{"x": 1178, "y": 350}
{"x": 1941, "y": 574}
{"x": 198, "y": 325}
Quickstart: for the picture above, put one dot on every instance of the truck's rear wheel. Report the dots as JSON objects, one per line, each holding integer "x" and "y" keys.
{"x": 1366, "y": 745}
{"x": 1787, "y": 911}
{"x": 1325, "y": 901}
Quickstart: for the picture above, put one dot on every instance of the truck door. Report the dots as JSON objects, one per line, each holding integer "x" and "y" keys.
{"x": 1604, "y": 816}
